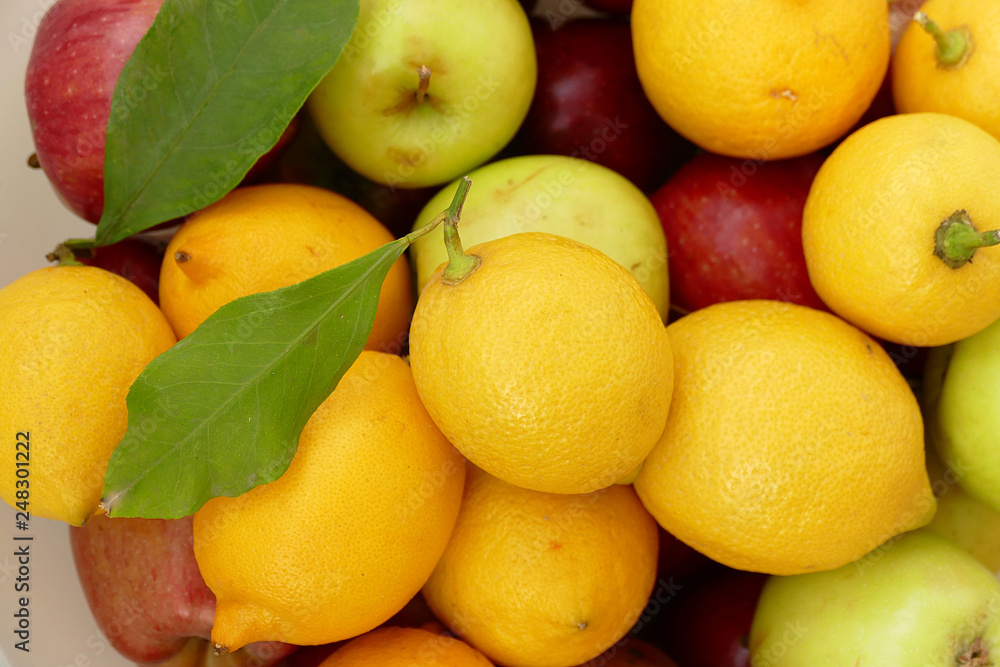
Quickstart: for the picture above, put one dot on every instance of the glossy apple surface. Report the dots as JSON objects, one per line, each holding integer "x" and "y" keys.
{"x": 560, "y": 195}
{"x": 962, "y": 399}
{"x": 734, "y": 230}
{"x": 708, "y": 625}
{"x": 420, "y": 95}
{"x": 589, "y": 104}
{"x": 134, "y": 259}
{"x": 916, "y": 600}
{"x": 79, "y": 51}
{"x": 143, "y": 586}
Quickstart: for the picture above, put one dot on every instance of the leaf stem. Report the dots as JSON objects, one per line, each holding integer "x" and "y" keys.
{"x": 956, "y": 240}
{"x": 953, "y": 47}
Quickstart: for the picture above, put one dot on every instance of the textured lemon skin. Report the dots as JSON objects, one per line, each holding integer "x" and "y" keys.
{"x": 548, "y": 366}
{"x": 762, "y": 80}
{"x": 536, "y": 579}
{"x": 406, "y": 647}
{"x": 72, "y": 341}
{"x": 352, "y": 529}
{"x": 262, "y": 237}
{"x": 869, "y": 222}
{"x": 970, "y": 91}
{"x": 793, "y": 444}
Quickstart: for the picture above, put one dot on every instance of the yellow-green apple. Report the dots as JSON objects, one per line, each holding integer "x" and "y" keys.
{"x": 426, "y": 90}
{"x": 80, "y": 49}
{"x": 962, "y": 402}
{"x": 918, "y": 599}
{"x": 147, "y": 595}
{"x": 961, "y": 518}
{"x": 560, "y": 195}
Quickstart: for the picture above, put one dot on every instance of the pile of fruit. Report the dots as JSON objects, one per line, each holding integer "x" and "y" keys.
{"x": 433, "y": 332}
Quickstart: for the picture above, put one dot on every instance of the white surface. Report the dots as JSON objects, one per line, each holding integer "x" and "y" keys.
{"x": 33, "y": 221}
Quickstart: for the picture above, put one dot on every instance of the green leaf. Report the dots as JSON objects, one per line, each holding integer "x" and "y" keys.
{"x": 209, "y": 89}
{"x": 221, "y": 411}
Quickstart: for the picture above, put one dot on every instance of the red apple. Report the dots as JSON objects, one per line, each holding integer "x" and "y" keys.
{"x": 589, "y": 103}
{"x": 709, "y": 623}
{"x": 143, "y": 586}
{"x": 734, "y": 230}
{"x": 80, "y": 49}
{"x": 133, "y": 259}
{"x": 614, "y": 6}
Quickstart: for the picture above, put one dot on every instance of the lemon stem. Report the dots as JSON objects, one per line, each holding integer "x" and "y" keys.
{"x": 953, "y": 47}
{"x": 460, "y": 265}
{"x": 64, "y": 255}
{"x": 956, "y": 240}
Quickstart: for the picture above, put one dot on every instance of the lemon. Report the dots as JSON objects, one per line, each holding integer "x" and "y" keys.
{"x": 72, "y": 341}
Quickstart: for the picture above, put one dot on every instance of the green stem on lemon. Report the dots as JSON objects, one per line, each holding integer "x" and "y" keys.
{"x": 460, "y": 265}
{"x": 953, "y": 47}
{"x": 956, "y": 240}
{"x": 64, "y": 255}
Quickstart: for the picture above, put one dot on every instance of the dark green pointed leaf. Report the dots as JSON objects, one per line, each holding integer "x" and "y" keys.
{"x": 221, "y": 411}
{"x": 210, "y": 88}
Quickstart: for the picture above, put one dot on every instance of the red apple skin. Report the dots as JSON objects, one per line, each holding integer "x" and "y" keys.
{"x": 734, "y": 230}
{"x": 133, "y": 259}
{"x": 589, "y": 103}
{"x": 613, "y": 6}
{"x": 145, "y": 591}
{"x": 80, "y": 49}
{"x": 709, "y": 622}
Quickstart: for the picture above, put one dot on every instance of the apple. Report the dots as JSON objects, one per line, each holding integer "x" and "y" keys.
{"x": 613, "y": 6}
{"x": 420, "y": 96}
{"x": 143, "y": 586}
{"x": 134, "y": 259}
{"x": 589, "y": 103}
{"x": 79, "y": 50}
{"x": 734, "y": 230}
{"x": 708, "y": 625}
{"x": 962, "y": 402}
{"x": 961, "y": 518}
{"x": 561, "y": 195}
{"x": 918, "y": 599}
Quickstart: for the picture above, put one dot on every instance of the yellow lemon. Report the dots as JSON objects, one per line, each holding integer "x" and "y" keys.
{"x": 793, "y": 444}
{"x": 547, "y": 366}
{"x": 72, "y": 341}
{"x": 349, "y": 533}
{"x": 536, "y": 579}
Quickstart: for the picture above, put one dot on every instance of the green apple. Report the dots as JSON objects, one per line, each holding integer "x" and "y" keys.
{"x": 560, "y": 195}
{"x": 917, "y": 600}
{"x": 962, "y": 407}
{"x": 961, "y": 518}
{"x": 427, "y": 90}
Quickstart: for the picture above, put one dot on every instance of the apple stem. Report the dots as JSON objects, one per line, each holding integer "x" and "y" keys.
{"x": 33, "y": 161}
{"x": 976, "y": 655}
{"x": 424, "y": 72}
{"x": 956, "y": 240}
{"x": 953, "y": 47}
